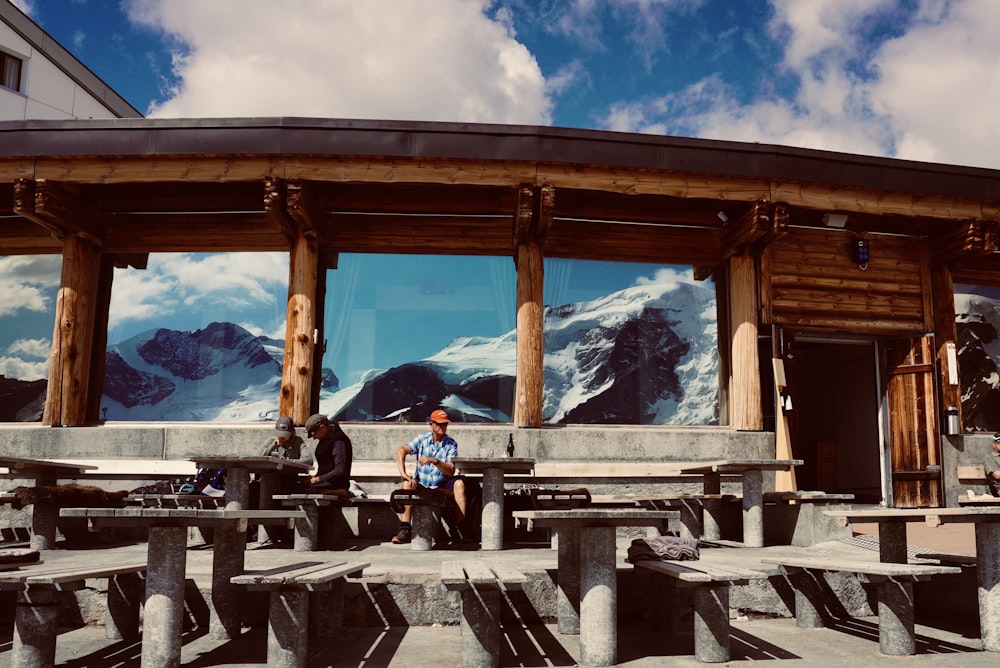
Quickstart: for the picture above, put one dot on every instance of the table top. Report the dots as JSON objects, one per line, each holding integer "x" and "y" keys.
{"x": 739, "y": 465}
{"x": 597, "y": 517}
{"x": 252, "y": 463}
{"x": 507, "y": 464}
{"x": 931, "y": 516}
{"x": 44, "y": 465}
{"x": 139, "y": 515}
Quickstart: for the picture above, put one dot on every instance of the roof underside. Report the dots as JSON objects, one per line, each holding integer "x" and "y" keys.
{"x": 137, "y": 186}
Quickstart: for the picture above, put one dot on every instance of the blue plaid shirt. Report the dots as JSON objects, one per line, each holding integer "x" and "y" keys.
{"x": 429, "y": 475}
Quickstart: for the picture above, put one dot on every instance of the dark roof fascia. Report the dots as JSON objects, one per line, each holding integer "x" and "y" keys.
{"x": 469, "y": 141}
{"x": 66, "y": 61}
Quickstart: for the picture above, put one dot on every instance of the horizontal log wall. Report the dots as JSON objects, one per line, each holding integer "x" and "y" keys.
{"x": 810, "y": 281}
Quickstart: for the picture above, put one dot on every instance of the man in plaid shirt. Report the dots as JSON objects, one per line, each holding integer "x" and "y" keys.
{"x": 434, "y": 451}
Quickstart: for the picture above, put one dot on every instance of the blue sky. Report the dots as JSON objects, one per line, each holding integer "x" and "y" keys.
{"x": 913, "y": 79}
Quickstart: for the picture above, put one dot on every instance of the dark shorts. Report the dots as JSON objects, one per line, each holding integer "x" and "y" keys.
{"x": 448, "y": 483}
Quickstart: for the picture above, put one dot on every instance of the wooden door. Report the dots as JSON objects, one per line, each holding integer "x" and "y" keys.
{"x": 912, "y": 421}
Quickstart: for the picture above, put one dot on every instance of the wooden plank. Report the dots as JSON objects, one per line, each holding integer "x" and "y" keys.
{"x": 839, "y": 564}
{"x": 453, "y": 575}
{"x": 509, "y": 575}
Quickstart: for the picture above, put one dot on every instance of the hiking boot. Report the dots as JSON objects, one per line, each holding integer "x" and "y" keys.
{"x": 403, "y": 536}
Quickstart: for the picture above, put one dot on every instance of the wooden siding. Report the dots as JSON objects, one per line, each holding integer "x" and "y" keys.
{"x": 810, "y": 281}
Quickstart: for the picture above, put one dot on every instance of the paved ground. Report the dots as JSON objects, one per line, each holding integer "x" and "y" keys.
{"x": 768, "y": 642}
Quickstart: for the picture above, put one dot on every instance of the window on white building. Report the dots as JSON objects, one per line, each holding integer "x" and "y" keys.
{"x": 10, "y": 71}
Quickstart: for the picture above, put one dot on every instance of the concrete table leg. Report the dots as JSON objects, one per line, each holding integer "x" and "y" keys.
{"x": 892, "y": 542}
{"x": 480, "y": 628}
{"x": 44, "y": 516}
{"x": 753, "y": 508}
{"x": 164, "y": 609}
{"x": 690, "y": 519}
{"x": 270, "y": 484}
{"x": 895, "y": 618}
{"x": 307, "y": 529}
{"x": 287, "y": 629}
{"x": 35, "y": 626}
{"x": 237, "y": 488}
{"x": 492, "y": 538}
{"x": 598, "y": 597}
{"x": 711, "y": 623}
{"x": 124, "y": 598}
{"x": 988, "y": 561}
{"x": 568, "y": 586}
{"x": 326, "y": 611}
{"x": 711, "y": 508}
{"x": 809, "y": 607}
{"x": 424, "y": 523}
{"x": 225, "y": 609}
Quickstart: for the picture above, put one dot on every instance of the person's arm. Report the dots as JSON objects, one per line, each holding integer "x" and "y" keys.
{"x": 444, "y": 463}
{"x": 269, "y": 447}
{"x": 401, "y": 453}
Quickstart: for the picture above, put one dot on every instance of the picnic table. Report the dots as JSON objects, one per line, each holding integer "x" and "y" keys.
{"x": 587, "y": 593}
{"x": 167, "y": 562}
{"x": 493, "y": 470}
{"x": 892, "y": 549}
{"x": 42, "y": 472}
{"x": 751, "y": 472}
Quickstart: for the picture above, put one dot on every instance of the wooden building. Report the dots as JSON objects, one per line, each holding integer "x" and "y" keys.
{"x": 840, "y": 266}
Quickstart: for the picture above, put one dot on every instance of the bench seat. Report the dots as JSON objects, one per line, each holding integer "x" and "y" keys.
{"x": 480, "y": 584}
{"x": 36, "y": 620}
{"x": 293, "y": 614}
{"x": 176, "y": 500}
{"x": 894, "y": 584}
{"x": 710, "y": 581}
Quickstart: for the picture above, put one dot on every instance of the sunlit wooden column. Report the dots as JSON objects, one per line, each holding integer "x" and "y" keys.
{"x": 530, "y": 343}
{"x": 532, "y": 219}
{"x": 72, "y": 334}
{"x": 300, "y": 331}
{"x": 745, "y": 410}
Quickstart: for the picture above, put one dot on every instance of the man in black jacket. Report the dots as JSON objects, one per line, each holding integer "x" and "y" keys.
{"x": 333, "y": 454}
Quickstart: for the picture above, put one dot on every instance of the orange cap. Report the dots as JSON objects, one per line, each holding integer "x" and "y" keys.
{"x": 440, "y": 416}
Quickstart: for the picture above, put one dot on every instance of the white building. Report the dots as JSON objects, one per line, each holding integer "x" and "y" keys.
{"x": 39, "y": 79}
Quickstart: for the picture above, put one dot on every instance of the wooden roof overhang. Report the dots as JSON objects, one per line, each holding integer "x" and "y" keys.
{"x": 135, "y": 186}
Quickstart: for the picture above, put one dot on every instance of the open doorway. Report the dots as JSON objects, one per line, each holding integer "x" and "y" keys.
{"x": 834, "y": 421}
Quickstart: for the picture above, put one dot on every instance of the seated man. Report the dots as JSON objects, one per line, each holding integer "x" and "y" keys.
{"x": 434, "y": 451}
{"x": 333, "y": 455}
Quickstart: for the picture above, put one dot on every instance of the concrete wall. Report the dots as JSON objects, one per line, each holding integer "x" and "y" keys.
{"x": 378, "y": 441}
{"x": 965, "y": 450}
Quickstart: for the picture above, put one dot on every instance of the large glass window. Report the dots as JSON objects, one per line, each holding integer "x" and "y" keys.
{"x": 977, "y": 319}
{"x": 406, "y": 334}
{"x": 629, "y": 343}
{"x": 197, "y": 336}
{"x": 28, "y": 288}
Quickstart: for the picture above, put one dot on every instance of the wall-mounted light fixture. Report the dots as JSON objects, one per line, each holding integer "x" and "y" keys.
{"x": 834, "y": 219}
{"x": 722, "y": 216}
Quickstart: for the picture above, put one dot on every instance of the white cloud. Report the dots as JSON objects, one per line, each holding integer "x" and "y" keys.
{"x": 26, "y": 281}
{"x": 667, "y": 276}
{"x": 38, "y": 348}
{"x": 183, "y": 283}
{"x": 13, "y": 367}
{"x": 875, "y": 77}
{"x": 442, "y": 60}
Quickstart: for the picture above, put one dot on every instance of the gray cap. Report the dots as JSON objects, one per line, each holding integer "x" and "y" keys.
{"x": 314, "y": 422}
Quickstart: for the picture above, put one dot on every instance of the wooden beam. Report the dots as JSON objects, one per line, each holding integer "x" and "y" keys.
{"x": 529, "y": 382}
{"x": 975, "y": 238}
{"x": 739, "y": 234}
{"x": 523, "y": 214}
{"x": 746, "y": 410}
{"x": 298, "y": 366}
{"x": 54, "y": 208}
{"x": 276, "y": 207}
{"x": 304, "y": 210}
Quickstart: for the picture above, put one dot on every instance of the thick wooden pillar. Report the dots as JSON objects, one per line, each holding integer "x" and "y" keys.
{"x": 300, "y": 333}
{"x": 745, "y": 410}
{"x": 72, "y": 334}
{"x": 99, "y": 343}
{"x": 530, "y": 342}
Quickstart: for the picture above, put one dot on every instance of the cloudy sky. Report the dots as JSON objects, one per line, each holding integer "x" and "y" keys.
{"x": 914, "y": 79}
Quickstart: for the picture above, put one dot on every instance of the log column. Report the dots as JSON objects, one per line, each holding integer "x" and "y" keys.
{"x": 532, "y": 219}
{"x": 745, "y": 411}
{"x": 530, "y": 343}
{"x": 300, "y": 331}
{"x": 72, "y": 334}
